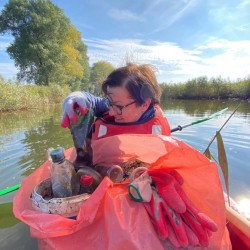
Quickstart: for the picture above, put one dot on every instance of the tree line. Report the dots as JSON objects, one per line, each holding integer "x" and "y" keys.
{"x": 204, "y": 88}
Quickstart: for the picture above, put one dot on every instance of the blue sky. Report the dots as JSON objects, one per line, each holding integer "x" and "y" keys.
{"x": 182, "y": 39}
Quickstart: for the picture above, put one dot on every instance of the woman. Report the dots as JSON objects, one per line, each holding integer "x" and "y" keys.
{"x": 110, "y": 219}
{"x": 130, "y": 105}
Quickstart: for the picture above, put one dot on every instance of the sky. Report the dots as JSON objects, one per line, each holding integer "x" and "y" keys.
{"x": 182, "y": 39}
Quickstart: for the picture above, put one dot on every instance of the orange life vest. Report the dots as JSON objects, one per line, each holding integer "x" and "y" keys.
{"x": 156, "y": 125}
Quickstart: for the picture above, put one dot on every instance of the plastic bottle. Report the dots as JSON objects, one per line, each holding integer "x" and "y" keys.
{"x": 86, "y": 184}
{"x": 114, "y": 172}
{"x": 85, "y": 170}
{"x": 63, "y": 176}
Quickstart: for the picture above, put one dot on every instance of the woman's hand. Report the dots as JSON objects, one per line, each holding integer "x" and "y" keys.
{"x": 75, "y": 100}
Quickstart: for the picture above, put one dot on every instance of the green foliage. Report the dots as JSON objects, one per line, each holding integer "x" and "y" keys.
{"x": 81, "y": 83}
{"x": 15, "y": 96}
{"x": 202, "y": 88}
{"x": 99, "y": 72}
{"x": 46, "y": 47}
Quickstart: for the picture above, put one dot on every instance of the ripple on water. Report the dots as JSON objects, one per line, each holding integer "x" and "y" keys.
{"x": 12, "y": 167}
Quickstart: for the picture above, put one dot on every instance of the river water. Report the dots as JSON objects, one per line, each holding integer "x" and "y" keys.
{"x": 25, "y": 136}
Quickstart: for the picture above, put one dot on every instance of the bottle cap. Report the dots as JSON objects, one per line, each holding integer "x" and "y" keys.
{"x": 57, "y": 155}
{"x": 86, "y": 179}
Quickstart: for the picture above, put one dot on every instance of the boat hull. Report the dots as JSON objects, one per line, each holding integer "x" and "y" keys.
{"x": 239, "y": 229}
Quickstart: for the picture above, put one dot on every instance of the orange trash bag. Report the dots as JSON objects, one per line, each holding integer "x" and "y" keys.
{"x": 109, "y": 219}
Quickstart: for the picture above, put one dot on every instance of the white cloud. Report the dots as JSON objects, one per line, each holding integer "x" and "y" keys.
{"x": 124, "y": 15}
{"x": 232, "y": 60}
{"x": 244, "y": 3}
{"x": 217, "y": 57}
{"x": 8, "y": 71}
{"x": 3, "y": 46}
{"x": 5, "y": 41}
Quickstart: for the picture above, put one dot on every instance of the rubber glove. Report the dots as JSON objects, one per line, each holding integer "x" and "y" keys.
{"x": 74, "y": 100}
{"x": 169, "y": 224}
{"x": 167, "y": 183}
{"x": 198, "y": 225}
{"x": 198, "y": 222}
{"x": 140, "y": 188}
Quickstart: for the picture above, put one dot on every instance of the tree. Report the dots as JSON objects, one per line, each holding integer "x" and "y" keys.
{"x": 46, "y": 46}
{"x": 99, "y": 72}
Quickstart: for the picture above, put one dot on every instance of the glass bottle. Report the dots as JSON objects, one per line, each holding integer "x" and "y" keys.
{"x": 63, "y": 176}
{"x": 114, "y": 172}
{"x": 86, "y": 184}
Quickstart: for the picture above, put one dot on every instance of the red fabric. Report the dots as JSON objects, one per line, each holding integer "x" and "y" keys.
{"x": 110, "y": 219}
{"x": 144, "y": 128}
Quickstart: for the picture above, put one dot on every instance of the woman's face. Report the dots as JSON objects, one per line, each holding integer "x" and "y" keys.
{"x": 123, "y": 107}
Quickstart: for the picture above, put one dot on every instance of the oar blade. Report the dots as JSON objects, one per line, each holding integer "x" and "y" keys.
{"x": 9, "y": 189}
{"x": 211, "y": 116}
{"x": 199, "y": 121}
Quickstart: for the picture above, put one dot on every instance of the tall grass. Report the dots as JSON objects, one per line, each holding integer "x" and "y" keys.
{"x": 16, "y": 96}
{"x": 202, "y": 88}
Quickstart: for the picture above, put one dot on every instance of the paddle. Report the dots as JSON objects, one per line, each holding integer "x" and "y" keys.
{"x": 9, "y": 189}
{"x": 15, "y": 187}
{"x": 199, "y": 121}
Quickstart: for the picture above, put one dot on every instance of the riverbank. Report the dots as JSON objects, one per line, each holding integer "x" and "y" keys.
{"x": 15, "y": 96}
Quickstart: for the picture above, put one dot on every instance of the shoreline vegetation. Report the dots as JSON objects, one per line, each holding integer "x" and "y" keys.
{"x": 203, "y": 88}
{"x": 16, "y": 96}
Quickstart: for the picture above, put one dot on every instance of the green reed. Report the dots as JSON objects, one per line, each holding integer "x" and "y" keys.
{"x": 15, "y": 96}
{"x": 203, "y": 88}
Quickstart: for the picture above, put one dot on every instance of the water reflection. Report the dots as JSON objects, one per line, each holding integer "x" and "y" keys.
{"x": 38, "y": 139}
{"x": 24, "y": 138}
{"x": 6, "y": 216}
{"x": 200, "y": 107}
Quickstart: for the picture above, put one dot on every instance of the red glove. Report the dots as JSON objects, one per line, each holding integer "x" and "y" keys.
{"x": 74, "y": 100}
{"x": 167, "y": 183}
{"x": 198, "y": 226}
{"x": 202, "y": 218}
{"x": 169, "y": 223}
{"x": 199, "y": 223}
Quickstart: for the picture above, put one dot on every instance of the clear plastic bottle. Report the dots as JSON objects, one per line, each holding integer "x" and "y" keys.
{"x": 64, "y": 180}
{"x": 86, "y": 184}
{"x": 114, "y": 172}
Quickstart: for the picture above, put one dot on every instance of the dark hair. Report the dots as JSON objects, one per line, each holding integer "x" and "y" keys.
{"x": 139, "y": 80}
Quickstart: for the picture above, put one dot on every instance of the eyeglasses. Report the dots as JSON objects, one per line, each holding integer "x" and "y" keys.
{"x": 117, "y": 108}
